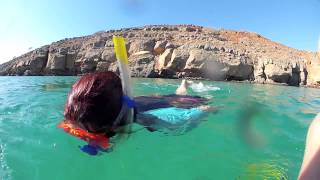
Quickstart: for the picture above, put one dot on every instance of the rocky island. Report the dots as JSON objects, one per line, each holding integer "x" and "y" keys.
{"x": 175, "y": 51}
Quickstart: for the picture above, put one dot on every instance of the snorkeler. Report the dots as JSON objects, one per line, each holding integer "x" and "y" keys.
{"x": 93, "y": 109}
{"x": 100, "y": 105}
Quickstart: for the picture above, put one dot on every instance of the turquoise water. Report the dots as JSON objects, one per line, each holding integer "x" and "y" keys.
{"x": 258, "y": 132}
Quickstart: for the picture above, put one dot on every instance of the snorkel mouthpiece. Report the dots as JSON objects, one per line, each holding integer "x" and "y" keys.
{"x": 128, "y": 101}
{"x": 89, "y": 149}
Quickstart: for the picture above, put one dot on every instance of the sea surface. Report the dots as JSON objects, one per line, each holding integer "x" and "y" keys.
{"x": 257, "y": 132}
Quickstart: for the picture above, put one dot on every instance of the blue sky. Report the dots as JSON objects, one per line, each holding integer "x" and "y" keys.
{"x": 33, "y": 23}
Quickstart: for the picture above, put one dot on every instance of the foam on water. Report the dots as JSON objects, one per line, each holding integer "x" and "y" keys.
{"x": 200, "y": 87}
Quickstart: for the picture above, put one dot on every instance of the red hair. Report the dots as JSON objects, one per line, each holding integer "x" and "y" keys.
{"x": 94, "y": 102}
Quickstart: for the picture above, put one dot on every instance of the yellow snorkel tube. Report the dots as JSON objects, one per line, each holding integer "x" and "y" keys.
{"x": 122, "y": 57}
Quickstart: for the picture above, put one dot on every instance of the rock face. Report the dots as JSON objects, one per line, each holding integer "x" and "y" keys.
{"x": 175, "y": 51}
{"x": 313, "y": 69}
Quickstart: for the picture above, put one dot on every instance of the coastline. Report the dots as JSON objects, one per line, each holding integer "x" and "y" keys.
{"x": 176, "y": 51}
{"x": 187, "y": 78}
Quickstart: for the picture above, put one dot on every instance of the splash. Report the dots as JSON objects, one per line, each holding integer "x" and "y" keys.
{"x": 200, "y": 87}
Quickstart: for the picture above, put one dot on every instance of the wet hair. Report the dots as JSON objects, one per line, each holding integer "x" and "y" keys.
{"x": 94, "y": 102}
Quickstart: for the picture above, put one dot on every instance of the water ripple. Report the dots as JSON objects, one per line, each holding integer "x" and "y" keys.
{"x": 5, "y": 171}
{"x": 31, "y": 145}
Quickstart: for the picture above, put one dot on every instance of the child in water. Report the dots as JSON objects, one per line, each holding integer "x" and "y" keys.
{"x": 95, "y": 111}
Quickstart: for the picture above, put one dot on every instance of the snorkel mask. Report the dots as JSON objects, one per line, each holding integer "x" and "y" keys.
{"x": 96, "y": 142}
{"x": 100, "y": 142}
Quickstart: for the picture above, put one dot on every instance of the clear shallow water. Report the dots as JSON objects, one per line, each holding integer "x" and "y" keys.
{"x": 258, "y": 133}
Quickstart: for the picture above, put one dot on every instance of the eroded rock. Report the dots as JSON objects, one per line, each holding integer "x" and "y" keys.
{"x": 205, "y": 64}
{"x": 102, "y": 66}
{"x": 159, "y": 48}
{"x": 163, "y": 59}
{"x": 142, "y": 65}
{"x": 56, "y": 63}
{"x": 141, "y": 45}
{"x": 178, "y": 60}
{"x": 108, "y": 55}
{"x": 175, "y": 51}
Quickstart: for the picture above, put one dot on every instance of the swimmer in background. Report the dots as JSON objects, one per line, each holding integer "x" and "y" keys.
{"x": 94, "y": 109}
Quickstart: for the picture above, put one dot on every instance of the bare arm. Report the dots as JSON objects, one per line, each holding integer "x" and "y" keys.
{"x": 310, "y": 169}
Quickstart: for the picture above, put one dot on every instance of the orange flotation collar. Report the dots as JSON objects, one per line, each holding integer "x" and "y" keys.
{"x": 94, "y": 139}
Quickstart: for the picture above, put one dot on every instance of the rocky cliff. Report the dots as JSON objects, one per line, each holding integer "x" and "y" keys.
{"x": 175, "y": 51}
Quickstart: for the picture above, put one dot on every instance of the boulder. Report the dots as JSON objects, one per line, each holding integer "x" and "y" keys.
{"x": 163, "y": 59}
{"x": 56, "y": 62}
{"x": 159, "y": 48}
{"x": 190, "y": 29}
{"x": 141, "y": 45}
{"x": 240, "y": 72}
{"x": 178, "y": 60}
{"x": 102, "y": 66}
{"x": 108, "y": 55}
{"x": 169, "y": 45}
{"x": 275, "y": 73}
{"x": 37, "y": 64}
{"x": 63, "y": 51}
{"x": 141, "y": 53}
{"x": 93, "y": 54}
{"x": 27, "y": 73}
{"x": 142, "y": 65}
{"x": 114, "y": 68}
{"x": 98, "y": 44}
{"x": 88, "y": 65}
{"x": 205, "y": 64}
